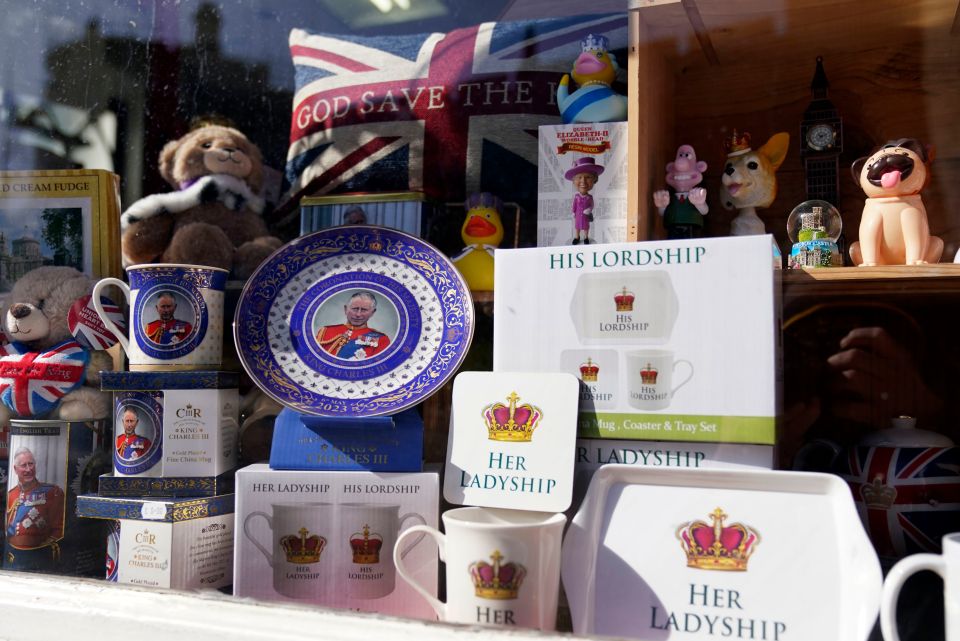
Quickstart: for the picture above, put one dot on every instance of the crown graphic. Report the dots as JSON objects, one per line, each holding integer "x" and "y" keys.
{"x": 595, "y": 43}
{"x": 624, "y": 300}
{"x": 878, "y": 495}
{"x": 589, "y": 371}
{"x": 303, "y": 548}
{"x": 717, "y": 546}
{"x": 366, "y": 546}
{"x": 511, "y": 422}
{"x": 736, "y": 145}
{"x": 497, "y": 581}
{"x": 648, "y": 375}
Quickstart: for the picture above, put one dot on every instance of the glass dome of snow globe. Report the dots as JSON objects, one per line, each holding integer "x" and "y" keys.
{"x": 814, "y": 227}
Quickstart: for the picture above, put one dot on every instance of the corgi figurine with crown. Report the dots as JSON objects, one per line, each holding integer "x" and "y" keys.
{"x": 750, "y": 179}
{"x": 482, "y": 233}
{"x": 594, "y": 71}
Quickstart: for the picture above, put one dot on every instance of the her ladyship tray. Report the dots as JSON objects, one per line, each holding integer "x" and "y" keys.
{"x": 353, "y": 322}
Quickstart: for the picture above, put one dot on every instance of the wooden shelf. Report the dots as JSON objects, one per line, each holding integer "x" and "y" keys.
{"x": 939, "y": 279}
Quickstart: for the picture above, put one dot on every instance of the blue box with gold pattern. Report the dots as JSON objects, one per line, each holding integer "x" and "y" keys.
{"x": 174, "y": 424}
{"x": 377, "y": 444}
{"x": 167, "y": 543}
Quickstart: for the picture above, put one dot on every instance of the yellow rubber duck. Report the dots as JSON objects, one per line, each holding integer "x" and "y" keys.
{"x": 482, "y": 232}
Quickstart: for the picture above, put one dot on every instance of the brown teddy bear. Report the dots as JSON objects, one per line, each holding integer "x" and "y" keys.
{"x": 214, "y": 218}
{"x": 35, "y": 323}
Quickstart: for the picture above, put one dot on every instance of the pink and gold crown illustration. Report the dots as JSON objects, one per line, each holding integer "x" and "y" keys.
{"x": 736, "y": 145}
{"x": 366, "y": 546}
{"x": 589, "y": 371}
{"x": 303, "y": 549}
{"x": 511, "y": 422}
{"x": 497, "y": 581}
{"x": 624, "y": 301}
{"x": 717, "y": 546}
{"x": 648, "y": 375}
{"x": 878, "y": 495}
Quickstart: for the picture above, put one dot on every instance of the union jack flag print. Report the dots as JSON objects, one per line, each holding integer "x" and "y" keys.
{"x": 33, "y": 383}
{"x": 447, "y": 114}
{"x": 908, "y": 497}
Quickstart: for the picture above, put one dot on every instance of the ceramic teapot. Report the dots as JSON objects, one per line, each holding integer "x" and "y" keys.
{"x": 905, "y": 482}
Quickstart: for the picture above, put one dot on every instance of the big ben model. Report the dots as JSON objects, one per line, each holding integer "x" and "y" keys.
{"x": 821, "y": 139}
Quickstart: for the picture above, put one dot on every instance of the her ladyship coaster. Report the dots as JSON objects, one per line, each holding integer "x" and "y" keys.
{"x": 512, "y": 440}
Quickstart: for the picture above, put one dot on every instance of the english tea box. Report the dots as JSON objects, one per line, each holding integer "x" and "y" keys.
{"x": 184, "y": 424}
{"x": 671, "y": 340}
{"x": 327, "y": 538}
{"x": 183, "y": 544}
{"x": 599, "y": 149}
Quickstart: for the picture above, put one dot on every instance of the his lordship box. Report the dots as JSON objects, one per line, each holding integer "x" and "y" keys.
{"x": 51, "y": 462}
{"x": 327, "y": 538}
{"x": 181, "y": 424}
{"x": 599, "y": 149}
{"x": 672, "y": 340}
{"x": 181, "y": 544}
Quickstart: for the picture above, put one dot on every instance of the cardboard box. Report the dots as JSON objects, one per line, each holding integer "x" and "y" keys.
{"x": 299, "y": 534}
{"x": 187, "y": 423}
{"x": 672, "y": 340}
{"x": 51, "y": 462}
{"x": 183, "y": 544}
{"x": 560, "y": 147}
{"x": 375, "y": 443}
{"x": 410, "y": 211}
{"x": 170, "y": 486}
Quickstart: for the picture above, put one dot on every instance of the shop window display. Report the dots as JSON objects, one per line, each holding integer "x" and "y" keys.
{"x": 439, "y": 99}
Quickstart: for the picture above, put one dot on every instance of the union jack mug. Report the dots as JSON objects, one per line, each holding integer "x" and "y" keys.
{"x": 176, "y": 316}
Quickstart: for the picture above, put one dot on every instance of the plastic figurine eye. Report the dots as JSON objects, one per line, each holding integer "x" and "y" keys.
{"x": 207, "y": 145}
{"x": 752, "y": 165}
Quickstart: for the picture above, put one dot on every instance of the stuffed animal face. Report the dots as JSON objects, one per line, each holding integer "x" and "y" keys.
{"x": 212, "y": 149}
{"x": 899, "y": 168}
{"x": 39, "y": 304}
{"x": 749, "y": 177}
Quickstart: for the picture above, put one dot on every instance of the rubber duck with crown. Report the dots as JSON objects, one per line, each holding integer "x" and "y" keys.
{"x": 482, "y": 233}
{"x": 594, "y": 71}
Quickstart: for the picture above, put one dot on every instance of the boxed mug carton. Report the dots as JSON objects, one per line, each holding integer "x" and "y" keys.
{"x": 327, "y": 538}
{"x": 174, "y": 424}
{"x": 182, "y": 544}
{"x": 671, "y": 340}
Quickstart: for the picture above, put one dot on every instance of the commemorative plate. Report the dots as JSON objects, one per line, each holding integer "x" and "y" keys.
{"x": 353, "y": 321}
{"x": 739, "y": 554}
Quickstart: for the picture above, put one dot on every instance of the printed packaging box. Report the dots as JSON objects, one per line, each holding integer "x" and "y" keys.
{"x": 170, "y": 486}
{"x": 183, "y": 544}
{"x": 327, "y": 538}
{"x": 180, "y": 424}
{"x": 594, "y": 453}
{"x": 671, "y": 340}
{"x": 600, "y": 151}
{"x": 51, "y": 463}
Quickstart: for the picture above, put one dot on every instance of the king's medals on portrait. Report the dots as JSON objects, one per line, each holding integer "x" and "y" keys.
{"x": 347, "y": 341}
{"x": 132, "y": 446}
{"x": 34, "y": 516}
{"x": 168, "y": 332}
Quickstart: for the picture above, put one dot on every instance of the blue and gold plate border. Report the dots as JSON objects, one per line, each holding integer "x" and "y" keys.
{"x": 251, "y": 323}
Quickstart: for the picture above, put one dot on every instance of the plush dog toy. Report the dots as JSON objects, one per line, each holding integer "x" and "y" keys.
{"x": 43, "y": 369}
{"x": 893, "y": 227}
{"x": 750, "y": 179}
{"x": 214, "y": 218}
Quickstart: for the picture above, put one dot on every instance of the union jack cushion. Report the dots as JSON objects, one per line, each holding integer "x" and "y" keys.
{"x": 447, "y": 114}
{"x": 32, "y": 383}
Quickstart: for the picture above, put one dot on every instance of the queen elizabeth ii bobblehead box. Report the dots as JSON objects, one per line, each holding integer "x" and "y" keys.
{"x": 671, "y": 340}
{"x": 327, "y": 538}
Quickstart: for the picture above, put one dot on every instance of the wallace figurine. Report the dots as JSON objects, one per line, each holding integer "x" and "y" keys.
{"x": 684, "y": 205}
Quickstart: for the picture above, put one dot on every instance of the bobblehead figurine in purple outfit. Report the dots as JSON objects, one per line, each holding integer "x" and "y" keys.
{"x": 583, "y": 175}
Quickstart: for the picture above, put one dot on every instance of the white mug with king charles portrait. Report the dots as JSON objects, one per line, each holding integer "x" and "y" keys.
{"x": 503, "y": 566}
{"x": 176, "y": 316}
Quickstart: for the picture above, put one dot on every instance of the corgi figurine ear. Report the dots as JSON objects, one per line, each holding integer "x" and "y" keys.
{"x": 857, "y": 167}
{"x": 775, "y": 149}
